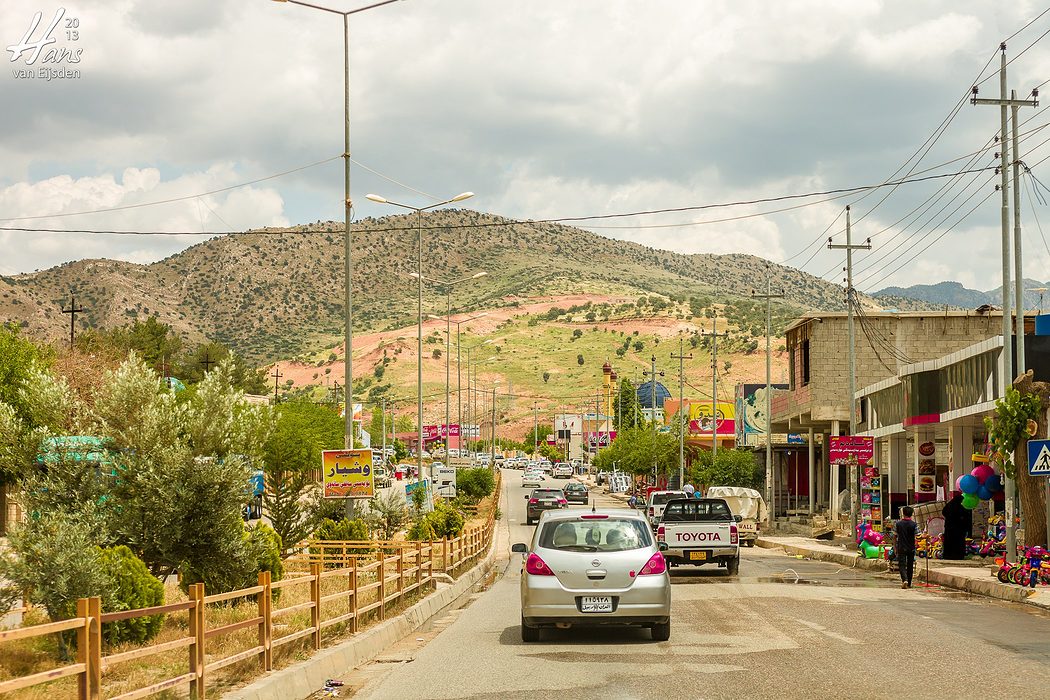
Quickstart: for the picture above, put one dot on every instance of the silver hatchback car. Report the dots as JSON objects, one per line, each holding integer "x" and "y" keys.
{"x": 588, "y": 568}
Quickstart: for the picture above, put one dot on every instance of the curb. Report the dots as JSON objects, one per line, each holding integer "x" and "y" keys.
{"x": 990, "y": 588}
{"x": 306, "y": 677}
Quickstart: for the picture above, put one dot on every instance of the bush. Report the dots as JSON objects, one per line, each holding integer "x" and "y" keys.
{"x": 475, "y": 484}
{"x": 131, "y": 587}
{"x": 266, "y": 545}
{"x": 341, "y": 530}
{"x": 443, "y": 521}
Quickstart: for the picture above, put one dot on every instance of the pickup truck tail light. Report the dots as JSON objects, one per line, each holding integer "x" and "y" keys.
{"x": 655, "y": 565}
{"x": 652, "y": 512}
{"x": 661, "y": 534}
{"x": 734, "y": 537}
{"x": 537, "y": 567}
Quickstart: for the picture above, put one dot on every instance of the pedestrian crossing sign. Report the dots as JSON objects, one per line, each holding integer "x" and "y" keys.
{"x": 1039, "y": 457}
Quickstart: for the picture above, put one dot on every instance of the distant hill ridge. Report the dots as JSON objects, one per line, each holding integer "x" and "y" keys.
{"x": 955, "y": 294}
{"x": 275, "y": 292}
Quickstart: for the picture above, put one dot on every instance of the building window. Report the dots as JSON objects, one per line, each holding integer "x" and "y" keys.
{"x": 805, "y": 363}
{"x": 791, "y": 368}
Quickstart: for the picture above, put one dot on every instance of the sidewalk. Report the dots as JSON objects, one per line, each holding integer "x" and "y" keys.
{"x": 970, "y": 577}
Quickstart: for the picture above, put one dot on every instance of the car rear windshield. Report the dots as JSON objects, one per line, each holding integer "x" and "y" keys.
{"x": 611, "y": 535}
{"x": 574, "y": 487}
{"x": 697, "y": 511}
{"x": 661, "y": 498}
{"x": 546, "y": 493}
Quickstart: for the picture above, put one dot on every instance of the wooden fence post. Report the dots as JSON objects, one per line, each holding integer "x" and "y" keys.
{"x": 353, "y": 597}
{"x": 83, "y": 655}
{"x": 444, "y": 555}
{"x": 315, "y": 596}
{"x": 196, "y": 650}
{"x": 266, "y": 624}
{"x": 400, "y": 572}
{"x": 382, "y": 586}
{"x": 94, "y": 643}
{"x": 419, "y": 565}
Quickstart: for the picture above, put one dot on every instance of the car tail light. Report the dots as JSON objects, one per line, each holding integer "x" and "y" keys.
{"x": 661, "y": 533}
{"x": 537, "y": 567}
{"x": 733, "y": 536}
{"x": 655, "y": 565}
{"x": 533, "y": 501}
{"x": 562, "y": 501}
{"x": 652, "y": 512}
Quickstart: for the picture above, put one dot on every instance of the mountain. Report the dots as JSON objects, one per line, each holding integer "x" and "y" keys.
{"x": 954, "y": 294}
{"x": 274, "y": 293}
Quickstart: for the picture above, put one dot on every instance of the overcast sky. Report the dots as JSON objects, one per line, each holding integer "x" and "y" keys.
{"x": 544, "y": 108}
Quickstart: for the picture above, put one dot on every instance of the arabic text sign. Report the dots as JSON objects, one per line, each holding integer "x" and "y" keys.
{"x": 842, "y": 447}
{"x": 347, "y": 473}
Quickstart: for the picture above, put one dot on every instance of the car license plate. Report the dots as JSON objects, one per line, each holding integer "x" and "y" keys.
{"x": 697, "y": 556}
{"x": 596, "y": 604}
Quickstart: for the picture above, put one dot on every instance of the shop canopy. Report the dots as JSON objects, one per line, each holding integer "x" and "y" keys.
{"x": 75, "y": 448}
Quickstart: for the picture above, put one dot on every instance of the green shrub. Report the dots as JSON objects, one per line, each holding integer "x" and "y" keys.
{"x": 341, "y": 530}
{"x": 475, "y": 484}
{"x": 131, "y": 587}
{"x": 267, "y": 546}
{"x": 443, "y": 521}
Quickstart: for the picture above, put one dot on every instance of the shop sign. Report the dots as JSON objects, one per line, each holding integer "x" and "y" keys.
{"x": 842, "y": 447}
{"x": 1039, "y": 457}
{"x": 347, "y": 473}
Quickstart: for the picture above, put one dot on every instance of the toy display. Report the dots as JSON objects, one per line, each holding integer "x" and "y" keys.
{"x": 870, "y": 542}
{"x": 1033, "y": 569}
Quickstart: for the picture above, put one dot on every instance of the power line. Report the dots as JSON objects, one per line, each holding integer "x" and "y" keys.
{"x": 508, "y": 222}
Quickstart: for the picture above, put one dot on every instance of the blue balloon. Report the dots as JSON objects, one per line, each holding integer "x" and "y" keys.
{"x": 969, "y": 484}
{"x": 993, "y": 483}
{"x": 983, "y": 493}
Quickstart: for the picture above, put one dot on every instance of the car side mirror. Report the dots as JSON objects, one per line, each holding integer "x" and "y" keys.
{"x": 662, "y": 547}
{"x": 519, "y": 548}
{"x": 738, "y": 518}
{"x": 526, "y": 497}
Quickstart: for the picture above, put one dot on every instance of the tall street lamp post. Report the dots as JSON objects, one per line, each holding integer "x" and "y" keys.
{"x": 448, "y": 285}
{"x": 419, "y": 310}
{"x": 459, "y": 373}
{"x": 348, "y": 374}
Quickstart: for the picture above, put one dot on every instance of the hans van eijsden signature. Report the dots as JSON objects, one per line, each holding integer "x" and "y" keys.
{"x": 53, "y": 56}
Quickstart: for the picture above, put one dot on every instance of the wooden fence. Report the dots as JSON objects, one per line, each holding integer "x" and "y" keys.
{"x": 344, "y": 583}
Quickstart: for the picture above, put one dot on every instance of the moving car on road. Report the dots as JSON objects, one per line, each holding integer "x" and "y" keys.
{"x": 587, "y": 568}
{"x": 575, "y": 492}
{"x": 562, "y": 470}
{"x": 657, "y": 500}
{"x": 541, "y": 500}
{"x": 748, "y": 504}
{"x": 700, "y": 531}
{"x": 533, "y": 478}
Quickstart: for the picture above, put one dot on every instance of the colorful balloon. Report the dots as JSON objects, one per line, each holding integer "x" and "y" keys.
{"x": 983, "y": 493}
{"x": 968, "y": 484}
{"x": 981, "y": 472}
{"x": 970, "y": 501}
{"x": 994, "y": 483}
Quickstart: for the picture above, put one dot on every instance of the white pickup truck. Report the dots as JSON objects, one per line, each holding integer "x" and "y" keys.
{"x": 700, "y": 531}
{"x": 657, "y": 500}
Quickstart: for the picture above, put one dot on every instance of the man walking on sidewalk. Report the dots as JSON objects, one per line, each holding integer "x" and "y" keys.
{"x": 904, "y": 545}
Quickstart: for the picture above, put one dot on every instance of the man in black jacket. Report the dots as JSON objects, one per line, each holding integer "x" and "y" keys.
{"x": 904, "y": 545}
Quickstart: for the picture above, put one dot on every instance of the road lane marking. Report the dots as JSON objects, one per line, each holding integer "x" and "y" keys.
{"x": 828, "y": 633}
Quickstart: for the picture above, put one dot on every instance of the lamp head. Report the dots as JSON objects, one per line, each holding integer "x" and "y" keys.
{"x": 413, "y": 274}
{"x": 461, "y": 196}
{"x": 373, "y": 197}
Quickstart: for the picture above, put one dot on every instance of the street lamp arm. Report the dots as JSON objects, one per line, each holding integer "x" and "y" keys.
{"x": 341, "y": 13}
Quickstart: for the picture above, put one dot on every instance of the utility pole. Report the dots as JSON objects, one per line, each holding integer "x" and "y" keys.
{"x": 384, "y": 431}
{"x": 276, "y": 378}
{"x": 207, "y": 362}
{"x": 1008, "y": 374}
{"x": 73, "y": 310}
{"x": 492, "y": 441}
{"x": 713, "y": 335}
{"x": 535, "y": 431}
{"x": 682, "y": 423}
{"x": 769, "y": 296}
{"x": 850, "y": 302}
{"x": 653, "y": 374}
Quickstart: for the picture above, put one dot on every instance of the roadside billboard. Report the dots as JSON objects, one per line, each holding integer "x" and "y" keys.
{"x": 347, "y": 473}
{"x": 701, "y": 416}
{"x": 751, "y": 419}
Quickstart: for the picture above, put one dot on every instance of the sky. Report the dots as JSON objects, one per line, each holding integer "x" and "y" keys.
{"x": 543, "y": 108}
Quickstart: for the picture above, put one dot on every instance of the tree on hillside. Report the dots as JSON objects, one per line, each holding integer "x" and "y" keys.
{"x": 250, "y": 380}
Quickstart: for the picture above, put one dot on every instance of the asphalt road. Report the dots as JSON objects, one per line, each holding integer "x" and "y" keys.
{"x": 783, "y": 628}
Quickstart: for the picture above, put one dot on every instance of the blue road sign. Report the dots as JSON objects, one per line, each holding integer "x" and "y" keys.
{"x": 1039, "y": 457}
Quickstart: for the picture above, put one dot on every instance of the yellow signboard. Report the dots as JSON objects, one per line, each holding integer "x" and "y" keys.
{"x": 700, "y": 416}
{"x": 347, "y": 473}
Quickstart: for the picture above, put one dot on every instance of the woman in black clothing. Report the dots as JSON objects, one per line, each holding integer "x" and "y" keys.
{"x": 957, "y": 524}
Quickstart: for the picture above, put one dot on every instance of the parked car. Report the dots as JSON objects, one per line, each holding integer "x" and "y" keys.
{"x": 748, "y": 504}
{"x": 562, "y": 470}
{"x": 700, "y": 531}
{"x": 654, "y": 507}
{"x": 533, "y": 478}
{"x": 586, "y": 568}
{"x": 543, "y": 499}
{"x": 575, "y": 492}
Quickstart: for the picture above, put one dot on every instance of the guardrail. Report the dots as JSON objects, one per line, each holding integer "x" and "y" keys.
{"x": 343, "y": 586}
